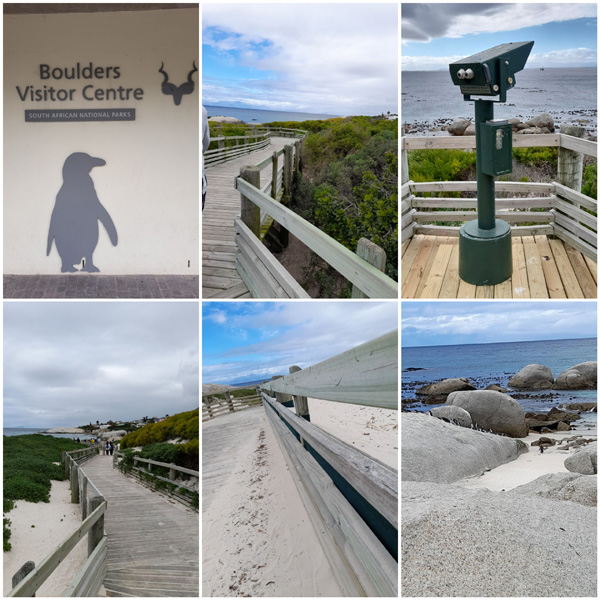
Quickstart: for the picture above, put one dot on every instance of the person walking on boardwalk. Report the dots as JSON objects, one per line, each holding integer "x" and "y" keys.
{"x": 205, "y": 145}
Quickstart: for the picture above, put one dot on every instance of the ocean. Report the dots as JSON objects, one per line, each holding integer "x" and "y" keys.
{"x": 484, "y": 364}
{"x": 566, "y": 94}
{"x": 253, "y": 115}
{"x": 10, "y": 431}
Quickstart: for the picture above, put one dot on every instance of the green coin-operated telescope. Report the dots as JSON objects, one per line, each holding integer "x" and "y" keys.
{"x": 485, "y": 253}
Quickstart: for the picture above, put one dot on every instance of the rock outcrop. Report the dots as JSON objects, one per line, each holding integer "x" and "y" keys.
{"x": 433, "y": 450}
{"x": 436, "y": 393}
{"x": 493, "y": 411}
{"x": 453, "y": 413}
{"x": 532, "y": 377}
{"x": 583, "y": 376}
{"x": 555, "y": 419}
{"x": 573, "y": 487}
{"x": 507, "y": 545}
{"x": 543, "y": 123}
{"x": 584, "y": 460}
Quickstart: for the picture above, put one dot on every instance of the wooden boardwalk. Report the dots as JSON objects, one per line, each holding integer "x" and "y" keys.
{"x": 542, "y": 268}
{"x": 223, "y": 440}
{"x": 153, "y": 542}
{"x": 220, "y": 278}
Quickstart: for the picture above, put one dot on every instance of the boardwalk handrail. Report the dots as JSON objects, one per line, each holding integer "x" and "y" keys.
{"x": 355, "y": 269}
{"x": 366, "y": 375}
{"x": 261, "y": 139}
{"x": 565, "y": 211}
{"x": 351, "y": 497}
{"x": 140, "y": 474}
{"x": 213, "y": 407}
{"x": 89, "y": 578}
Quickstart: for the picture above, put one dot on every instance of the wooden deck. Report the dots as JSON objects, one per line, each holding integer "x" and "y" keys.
{"x": 153, "y": 542}
{"x": 220, "y": 278}
{"x": 542, "y": 268}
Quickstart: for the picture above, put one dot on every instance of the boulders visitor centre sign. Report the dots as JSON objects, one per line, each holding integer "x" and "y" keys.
{"x": 101, "y": 143}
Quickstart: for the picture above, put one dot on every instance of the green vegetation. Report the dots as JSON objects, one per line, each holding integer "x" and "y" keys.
{"x": 589, "y": 184}
{"x": 29, "y": 468}
{"x": 184, "y": 425}
{"x": 240, "y": 393}
{"x": 349, "y": 185}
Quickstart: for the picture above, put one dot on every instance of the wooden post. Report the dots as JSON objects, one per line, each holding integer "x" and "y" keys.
{"x": 83, "y": 498}
{"x": 22, "y": 573}
{"x": 288, "y": 155}
{"x": 570, "y": 163}
{"x": 209, "y": 408}
{"x": 404, "y": 159}
{"x": 300, "y": 402}
{"x": 297, "y": 155}
{"x": 96, "y": 533}
{"x": 75, "y": 484}
{"x": 374, "y": 255}
{"x": 274, "y": 177}
{"x": 229, "y": 401}
{"x": 277, "y": 394}
{"x": 251, "y": 212}
{"x": 67, "y": 464}
{"x": 221, "y": 143}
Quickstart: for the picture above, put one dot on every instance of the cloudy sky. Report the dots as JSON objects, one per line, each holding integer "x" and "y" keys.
{"x": 69, "y": 363}
{"x": 451, "y": 323}
{"x": 248, "y": 341}
{"x": 434, "y": 35}
{"x": 339, "y": 59}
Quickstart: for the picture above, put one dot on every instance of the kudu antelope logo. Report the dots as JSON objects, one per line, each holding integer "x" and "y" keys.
{"x": 177, "y": 92}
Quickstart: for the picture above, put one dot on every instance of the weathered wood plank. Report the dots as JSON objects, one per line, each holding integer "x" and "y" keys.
{"x": 366, "y": 375}
{"x": 368, "y": 278}
{"x": 567, "y": 275}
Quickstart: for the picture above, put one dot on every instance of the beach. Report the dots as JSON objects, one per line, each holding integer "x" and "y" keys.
{"x": 37, "y": 528}
{"x": 257, "y": 536}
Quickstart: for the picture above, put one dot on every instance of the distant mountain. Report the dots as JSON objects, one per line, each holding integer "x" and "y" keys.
{"x": 254, "y": 383}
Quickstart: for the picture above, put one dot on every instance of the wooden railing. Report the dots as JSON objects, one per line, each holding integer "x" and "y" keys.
{"x": 88, "y": 580}
{"x": 351, "y": 498}
{"x": 554, "y": 209}
{"x": 212, "y": 406}
{"x": 175, "y": 486}
{"x": 234, "y": 146}
{"x": 264, "y": 276}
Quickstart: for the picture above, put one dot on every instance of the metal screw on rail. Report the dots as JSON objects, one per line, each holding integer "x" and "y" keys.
{"x": 485, "y": 252}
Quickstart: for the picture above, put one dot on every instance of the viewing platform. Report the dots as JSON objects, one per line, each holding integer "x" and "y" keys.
{"x": 553, "y": 226}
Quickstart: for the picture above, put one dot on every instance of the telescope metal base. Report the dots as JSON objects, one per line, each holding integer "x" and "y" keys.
{"x": 485, "y": 255}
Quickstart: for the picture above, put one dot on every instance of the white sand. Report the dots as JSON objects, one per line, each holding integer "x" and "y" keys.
{"x": 372, "y": 430}
{"x": 257, "y": 538}
{"x": 528, "y": 466}
{"x": 54, "y": 522}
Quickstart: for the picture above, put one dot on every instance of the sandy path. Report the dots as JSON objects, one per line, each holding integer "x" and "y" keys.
{"x": 37, "y": 528}
{"x": 528, "y": 466}
{"x": 257, "y": 538}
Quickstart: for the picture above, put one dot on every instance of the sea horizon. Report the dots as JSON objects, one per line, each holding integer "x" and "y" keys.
{"x": 12, "y": 431}
{"x": 258, "y": 116}
{"x": 495, "y": 343}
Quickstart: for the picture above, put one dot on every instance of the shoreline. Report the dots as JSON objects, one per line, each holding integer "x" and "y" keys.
{"x": 586, "y": 118}
{"x": 528, "y": 466}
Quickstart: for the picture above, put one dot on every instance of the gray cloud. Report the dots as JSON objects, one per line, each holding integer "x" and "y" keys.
{"x": 68, "y": 363}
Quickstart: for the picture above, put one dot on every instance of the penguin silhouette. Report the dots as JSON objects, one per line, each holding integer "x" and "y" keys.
{"x": 74, "y": 221}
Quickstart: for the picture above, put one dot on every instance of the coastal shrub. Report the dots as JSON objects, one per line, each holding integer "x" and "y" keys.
{"x": 6, "y": 534}
{"x": 589, "y": 184}
{"x": 29, "y": 468}
{"x": 184, "y": 425}
{"x": 441, "y": 165}
{"x": 536, "y": 156}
